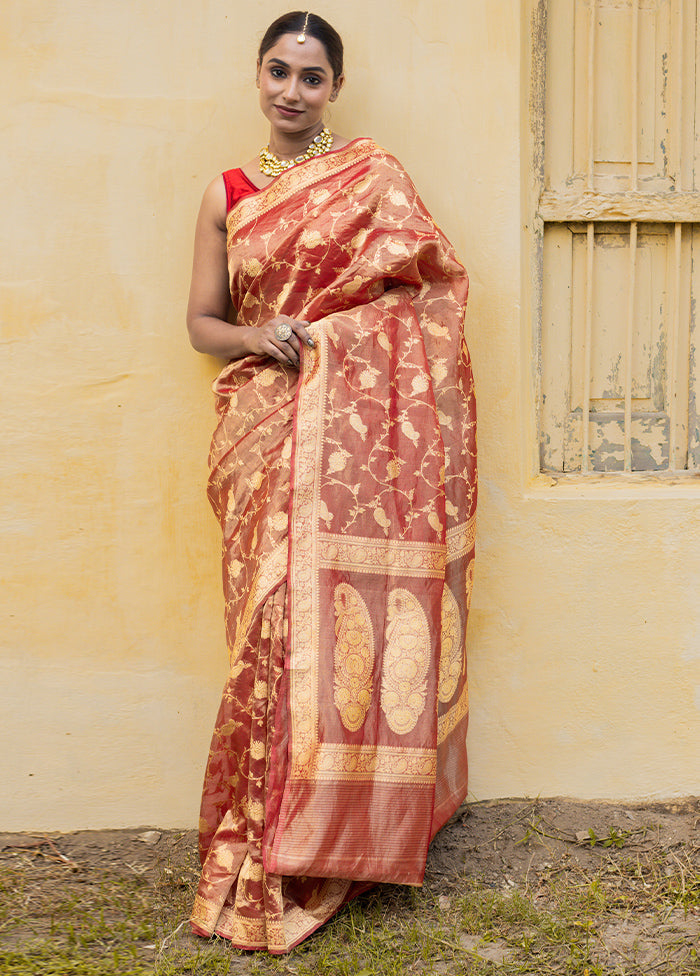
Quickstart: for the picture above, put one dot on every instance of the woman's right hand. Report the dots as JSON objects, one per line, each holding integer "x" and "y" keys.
{"x": 264, "y": 341}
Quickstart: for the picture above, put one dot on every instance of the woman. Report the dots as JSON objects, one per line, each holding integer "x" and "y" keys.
{"x": 343, "y": 472}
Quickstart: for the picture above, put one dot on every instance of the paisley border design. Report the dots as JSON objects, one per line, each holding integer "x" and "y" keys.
{"x": 451, "y": 648}
{"x": 353, "y": 658}
{"x": 405, "y": 663}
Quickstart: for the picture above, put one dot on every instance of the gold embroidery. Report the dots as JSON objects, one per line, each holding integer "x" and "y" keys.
{"x": 253, "y": 933}
{"x": 451, "y": 659}
{"x": 363, "y": 555}
{"x": 301, "y": 178}
{"x": 204, "y": 914}
{"x": 271, "y": 931}
{"x": 272, "y": 570}
{"x": 257, "y": 749}
{"x": 450, "y": 720}
{"x": 324, "y": 460}
{"x": 470, "y": 583}
{"x": 251, "y": 870}
{"x": 224, "y": 857}
{"x": 353, "y": 658}
{"x": 386, "y": 764}
{"x": 299, "y": 921}
{"x": 303, "y": 596}
{"x": 405, "y": 665}
{"x": 460, "y": 539}
{"x": 256, "y": 811}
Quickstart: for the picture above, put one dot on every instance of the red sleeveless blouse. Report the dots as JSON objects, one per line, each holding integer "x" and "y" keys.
{"x": 237, "y": 186}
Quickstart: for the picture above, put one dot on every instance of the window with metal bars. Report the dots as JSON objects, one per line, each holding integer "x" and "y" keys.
{"x": 619, "y": 217}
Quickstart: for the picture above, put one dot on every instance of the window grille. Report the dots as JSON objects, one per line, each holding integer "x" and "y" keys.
{"x": 620, "y": 217}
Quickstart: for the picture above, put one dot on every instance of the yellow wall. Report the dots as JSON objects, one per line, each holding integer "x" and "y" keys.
{"x": 585, "y": 636}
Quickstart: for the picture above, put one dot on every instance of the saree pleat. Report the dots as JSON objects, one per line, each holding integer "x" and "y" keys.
{"x": 237, "y": 899}
{"x": 346, "y": 494}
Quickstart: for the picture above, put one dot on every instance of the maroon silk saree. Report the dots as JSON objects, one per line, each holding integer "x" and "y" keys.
{"x": 346, "y": 493}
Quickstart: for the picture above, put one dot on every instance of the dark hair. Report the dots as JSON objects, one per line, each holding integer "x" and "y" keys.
{"x": 292, "y": 23}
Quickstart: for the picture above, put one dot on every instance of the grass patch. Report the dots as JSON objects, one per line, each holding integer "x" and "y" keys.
{"x": 570, "y": 909}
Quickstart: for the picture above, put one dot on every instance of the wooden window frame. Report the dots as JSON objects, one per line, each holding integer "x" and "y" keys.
{"x": 586, "y": 205}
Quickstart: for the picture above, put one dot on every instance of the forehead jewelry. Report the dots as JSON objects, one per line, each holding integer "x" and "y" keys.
{"x": 301, "y": 38}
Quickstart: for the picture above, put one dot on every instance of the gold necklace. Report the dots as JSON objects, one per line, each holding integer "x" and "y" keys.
{"x": 271, "y": 165}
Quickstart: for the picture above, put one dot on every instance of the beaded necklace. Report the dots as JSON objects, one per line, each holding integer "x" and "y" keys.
{"x": 271, "y": 165}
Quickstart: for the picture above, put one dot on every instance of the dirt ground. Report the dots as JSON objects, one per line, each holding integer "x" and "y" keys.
{"x": 522, "y": 845}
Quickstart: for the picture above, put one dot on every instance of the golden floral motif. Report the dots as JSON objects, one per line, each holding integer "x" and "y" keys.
{"x": 324, "y": 513}
{"x": 451, "y": 657}
{"x": 419, "y": 384}
{"x": 251, "y": 267}
{"x": 368, "y": 377}
{"x": 256, "y": 811}
{"x": 398, "y": 198}
{"x": 398, "y": 249}
{"x": 256, "y": 480}
{"x": 279, "y": 521}
{"x": 257, "y": 749}
{"x": 439, "y": 331}
{"x": 359, "y": 239}
{"x": 362, "y": 184}
{"x": 311, "y": 238}
{"x": 353, "y": 658}
{"x": 251, "y": 870}
{"x": 383, "y": 341}
{"x": 225, "y": 858}
{"x": 337, "y": 461}
{"x": 234, "y": 568}
{"x": 405, "y": 664}
{"x": 393, "y": 468}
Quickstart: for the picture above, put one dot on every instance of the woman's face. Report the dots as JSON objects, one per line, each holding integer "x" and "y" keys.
{"x": 296, "y": 83}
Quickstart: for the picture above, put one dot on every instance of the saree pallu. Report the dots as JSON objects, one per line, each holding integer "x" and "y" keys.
{"x": 346, "y": 494}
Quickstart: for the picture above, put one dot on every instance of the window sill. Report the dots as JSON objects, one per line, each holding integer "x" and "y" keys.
{"x": 616, "y": 484}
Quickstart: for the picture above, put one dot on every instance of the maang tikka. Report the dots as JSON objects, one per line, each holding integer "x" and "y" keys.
{"x": 301, "y": 38}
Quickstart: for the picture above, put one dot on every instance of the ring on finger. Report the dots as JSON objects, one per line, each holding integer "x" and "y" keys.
{"x": 283, "y": 331}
